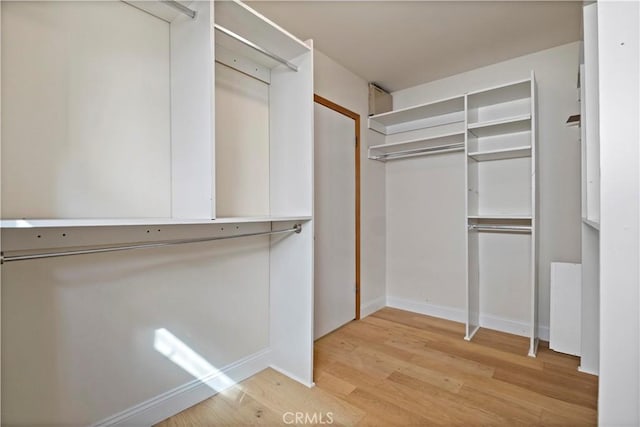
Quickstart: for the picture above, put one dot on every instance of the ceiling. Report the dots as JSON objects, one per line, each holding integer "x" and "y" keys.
{"x": 399, "y": 44}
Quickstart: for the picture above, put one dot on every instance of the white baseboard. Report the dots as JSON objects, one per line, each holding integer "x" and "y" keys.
{"x": 293, "y": 377}
{"x": 443, "y": 312}
{"x": 371, "y": 307}
{"x": 588, "y": 371}
{"x": 180, "y": 398}
{"x": 458, "y": 315}
{"x": 543, "y": 333}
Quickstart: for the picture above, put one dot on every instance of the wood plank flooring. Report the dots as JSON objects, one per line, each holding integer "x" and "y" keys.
{"x": 396, "y": 368}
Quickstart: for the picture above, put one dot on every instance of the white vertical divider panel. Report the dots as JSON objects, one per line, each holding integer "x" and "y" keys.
{"x": 291, "y": 304}
{"x": 533, "y": 345}
{"x": 590, "y": 324}
{"x": 291, "y": 139}
{"x": 193, "y": 114}
{"x": 473, "y": 248}
{"x": 590, "y": 311}
{"x": 291, "y": 193}
{"x": 619, "y": 109}
{"x": 473, "y": 290}
{"x": 591, "y": 122}
{"x": 566, "y": 301}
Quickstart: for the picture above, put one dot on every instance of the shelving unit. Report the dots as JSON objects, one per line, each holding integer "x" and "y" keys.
{"x": 501, "y": 200}
{"x": 495, "y": 128}
{"x": 431, "y": 128}
{"x": 152, "y": 159}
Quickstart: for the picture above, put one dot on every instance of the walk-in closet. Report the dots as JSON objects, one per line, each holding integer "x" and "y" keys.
{"x": 236, "y": 212}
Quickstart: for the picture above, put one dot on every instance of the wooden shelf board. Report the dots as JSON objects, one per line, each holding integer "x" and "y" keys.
{"x": 501, "y": 154}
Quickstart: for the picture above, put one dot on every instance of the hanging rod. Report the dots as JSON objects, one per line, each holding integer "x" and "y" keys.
{"x": 518, "y": 228}
{"x": 420, "y": 152}
{"x": 296, "y": 229}
{"x": 255, "y": 47}
{"x": 180, "y": 8}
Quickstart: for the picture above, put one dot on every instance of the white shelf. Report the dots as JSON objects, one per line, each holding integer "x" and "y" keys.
{"x": 438, "y": 113}
{"x": 500, "y": 217}
{"x": 416, "y": 145}
{"x": 156, "y": 8}
{"x": 593, "y": 224}
{"x": 501, "y": 154}
{"x": 120, "y": 222}
{"x": 256, "y": 28}
{"x": 515, "y": 124}
{"x": 509, "y": 92}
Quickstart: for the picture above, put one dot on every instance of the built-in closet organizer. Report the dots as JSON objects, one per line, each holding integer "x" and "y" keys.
{"x": 150, "y": 122}
{"x": 495, "y": 129}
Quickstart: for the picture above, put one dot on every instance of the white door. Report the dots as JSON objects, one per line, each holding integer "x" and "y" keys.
{"x": 335, "y": 231}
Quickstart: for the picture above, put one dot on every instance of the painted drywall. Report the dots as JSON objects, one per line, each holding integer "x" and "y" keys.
{"x": 425, "y": 196}
{"x": 242, "y": 152}
{"x": 90, "y": 114}
{"x": 339, "y": 85}
{"x": 83, "y": 338}
{"x": 619, "y": 59}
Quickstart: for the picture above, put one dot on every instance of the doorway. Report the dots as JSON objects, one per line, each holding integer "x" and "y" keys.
{"x": 337, "y": 216}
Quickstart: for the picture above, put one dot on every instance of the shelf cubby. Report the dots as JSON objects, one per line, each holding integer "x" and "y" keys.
{"x": 417, "y": 147}
{"x": 500, "y": 102}
{"x": 508, "y": 125}
{"x": 432, "y": 114}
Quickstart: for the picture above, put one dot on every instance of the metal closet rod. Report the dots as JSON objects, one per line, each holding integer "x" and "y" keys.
{"x": 180, "y": 8}
{"x": 255, "y": 47}
{"x": 521, "y": 228}
{"x": 296, "y": 229}
{"x": 421, "y": 151}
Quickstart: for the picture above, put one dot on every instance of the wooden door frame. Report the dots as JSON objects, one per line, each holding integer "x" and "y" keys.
{"x": 356, "y": 117}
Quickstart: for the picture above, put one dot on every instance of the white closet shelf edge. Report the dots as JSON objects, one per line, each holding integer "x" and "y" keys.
{"x": 115, "y": 222}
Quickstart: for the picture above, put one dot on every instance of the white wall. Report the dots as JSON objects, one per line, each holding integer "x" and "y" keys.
{"x": 618, "y": 50}
{"x": 90, "y": 115}
{"x": 242, "y": 152}
{"x": 339, "y": 85}
{"x": 78, "y": 333}
{"x": 425, "y": 196}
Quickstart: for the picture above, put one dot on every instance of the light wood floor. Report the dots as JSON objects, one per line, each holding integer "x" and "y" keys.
{"x": 400, "y": 368}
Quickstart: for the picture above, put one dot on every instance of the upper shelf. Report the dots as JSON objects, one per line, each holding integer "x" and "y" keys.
{"x": 120, "y": 222}
{"x": 252, "y": 26}
{"x": 446, "y": 111}
{"x": 502, "y": 94}
{"x": 521, "y": 123}
{"x": 167, "y": 10}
